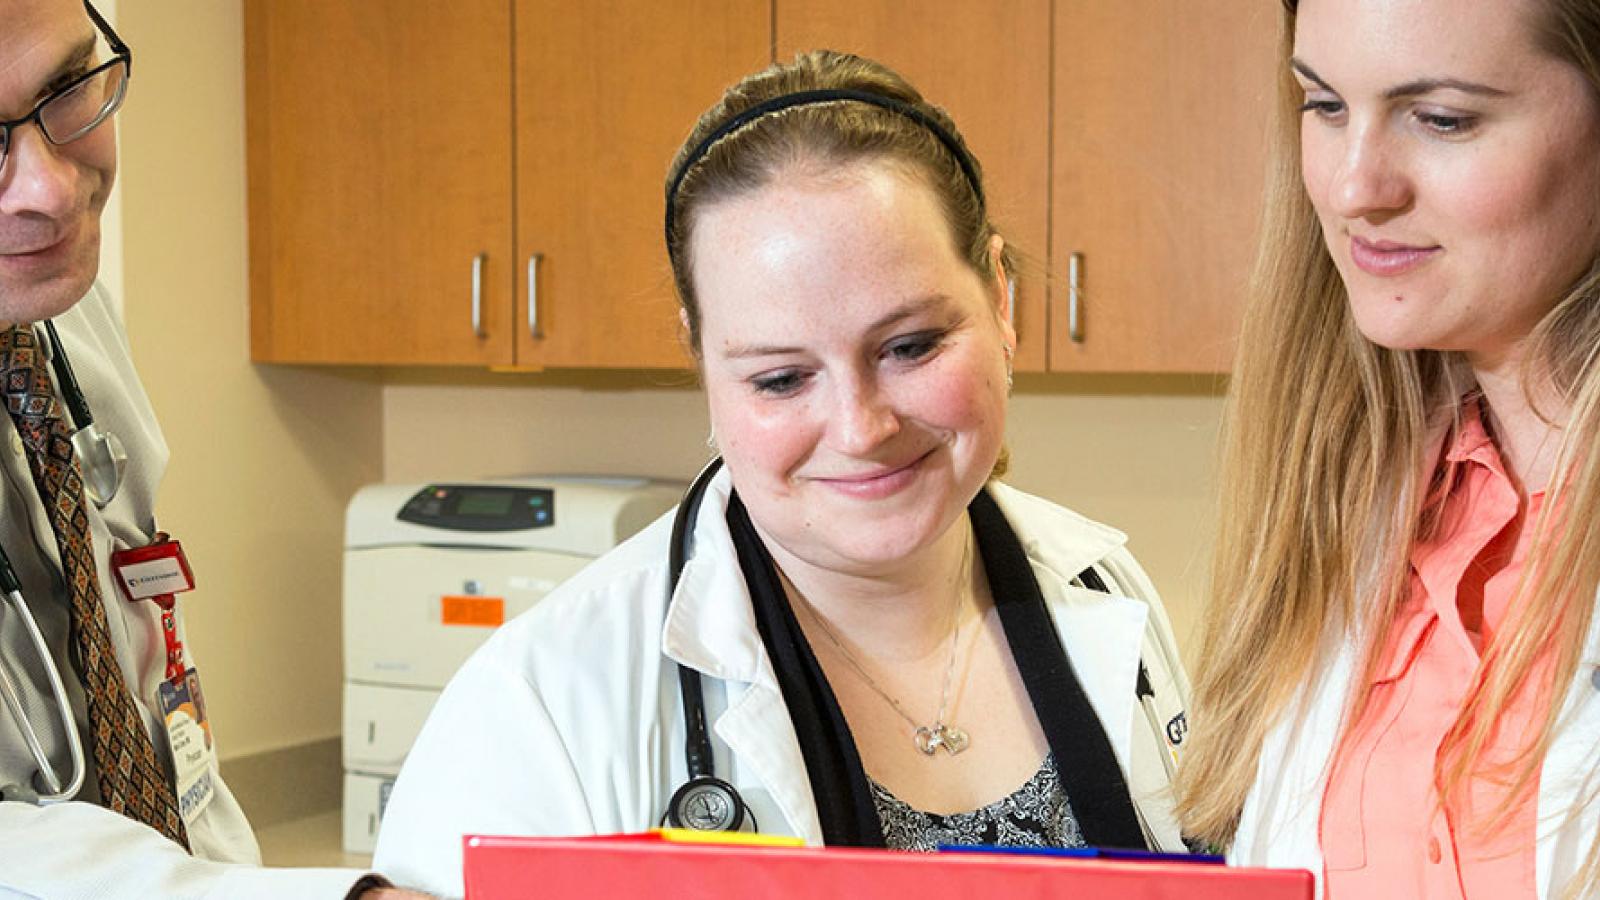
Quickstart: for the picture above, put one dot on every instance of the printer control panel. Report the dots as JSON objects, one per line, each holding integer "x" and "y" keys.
{"x": 480, "y": 507}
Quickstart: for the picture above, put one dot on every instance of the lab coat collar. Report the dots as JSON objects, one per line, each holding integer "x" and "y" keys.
{"x": 710, "y": 624}
{"x": 1055, "y": 538}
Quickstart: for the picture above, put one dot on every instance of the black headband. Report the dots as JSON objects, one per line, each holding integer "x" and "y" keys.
{"x": 806, "y": 98}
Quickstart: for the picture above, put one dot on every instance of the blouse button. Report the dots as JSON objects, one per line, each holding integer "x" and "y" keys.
{"x": 1433, "y": 850}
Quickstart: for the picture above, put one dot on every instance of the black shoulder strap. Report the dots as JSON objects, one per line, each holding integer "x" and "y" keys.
{"x": 1085, "y": 761}
{"x": 839, "y": 785}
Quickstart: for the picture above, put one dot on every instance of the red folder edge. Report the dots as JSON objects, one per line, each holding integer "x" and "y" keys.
{"x": 632, "y": 866}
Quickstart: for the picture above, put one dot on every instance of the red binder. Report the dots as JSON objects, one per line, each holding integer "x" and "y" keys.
{"x": 503, "y": 868}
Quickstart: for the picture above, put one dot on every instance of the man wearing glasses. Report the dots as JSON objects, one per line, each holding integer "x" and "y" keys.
{"x": 89, "y": 799}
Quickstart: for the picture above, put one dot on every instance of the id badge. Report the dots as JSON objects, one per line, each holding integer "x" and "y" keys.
{"x": 183, "y": 708}
{"x": 157, "y": 570}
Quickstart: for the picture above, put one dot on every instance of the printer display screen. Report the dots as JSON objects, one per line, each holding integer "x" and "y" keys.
{"x": 484, "y": 503}
{"x": 478, "y": 508}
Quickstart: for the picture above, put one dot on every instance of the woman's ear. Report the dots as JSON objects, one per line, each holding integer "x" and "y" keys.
{"x": 1003, "y": 287}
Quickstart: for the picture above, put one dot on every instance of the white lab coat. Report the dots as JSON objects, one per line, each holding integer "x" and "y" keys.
{"x": 569, "y": 720}
{"x": 1279, "y": 823}
{"x": 78, "y": 849}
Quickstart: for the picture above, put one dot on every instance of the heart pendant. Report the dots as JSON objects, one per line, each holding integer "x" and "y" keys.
{"x": 929, "y": 739}
{"x": 954, "y": 739}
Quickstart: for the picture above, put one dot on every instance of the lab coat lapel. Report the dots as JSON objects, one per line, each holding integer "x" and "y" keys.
{"x": 1569, "y": 783}
{"x": 711, "y": 628}
{"x": 758, "y": 728}
{"x": 1103, "y": 635}
{"x": 710, "y": 625}
{"x": 37, "y": 530}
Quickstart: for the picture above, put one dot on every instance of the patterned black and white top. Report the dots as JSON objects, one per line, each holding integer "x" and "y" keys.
{"x": 1035, "y": 815}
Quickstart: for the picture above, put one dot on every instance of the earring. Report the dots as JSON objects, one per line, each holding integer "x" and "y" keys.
{"x": 711, "y": 439}
{"x": 1010, "y": 351}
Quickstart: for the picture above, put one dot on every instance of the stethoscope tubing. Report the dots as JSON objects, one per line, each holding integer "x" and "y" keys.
{"x": 697, "y": 742}
{"x": 72, "y": 396}
{"x": 55, "y": 791}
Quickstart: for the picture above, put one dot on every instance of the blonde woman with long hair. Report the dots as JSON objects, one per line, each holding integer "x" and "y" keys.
{"x": 1400, "y": 686}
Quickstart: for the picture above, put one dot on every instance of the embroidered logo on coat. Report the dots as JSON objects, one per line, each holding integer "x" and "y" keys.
{"x": 1177, "y": 728}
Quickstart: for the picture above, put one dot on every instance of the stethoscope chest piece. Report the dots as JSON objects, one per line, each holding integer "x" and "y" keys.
{"x": 103, "y": 460}
{"x": 706, "y": 803}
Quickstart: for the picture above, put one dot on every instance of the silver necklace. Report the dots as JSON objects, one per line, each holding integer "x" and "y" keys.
{"x": 941, "y": 734}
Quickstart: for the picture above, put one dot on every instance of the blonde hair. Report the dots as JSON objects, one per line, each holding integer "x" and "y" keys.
{"x": 1327, "y": 490}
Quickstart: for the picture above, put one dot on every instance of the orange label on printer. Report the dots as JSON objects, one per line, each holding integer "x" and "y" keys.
{"x": 488, "y": 612}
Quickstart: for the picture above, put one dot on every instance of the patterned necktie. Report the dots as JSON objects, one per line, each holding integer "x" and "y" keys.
{"x": 132, "y": 781}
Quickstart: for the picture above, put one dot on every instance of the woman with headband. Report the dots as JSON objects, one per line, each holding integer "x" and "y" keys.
{"x": 889, "y": 647}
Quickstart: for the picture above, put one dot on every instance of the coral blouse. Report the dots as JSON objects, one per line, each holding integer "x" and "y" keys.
{"x": 1383, "y": 831}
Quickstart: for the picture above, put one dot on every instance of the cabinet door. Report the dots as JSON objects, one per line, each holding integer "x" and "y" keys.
{"x": 988, "y": 65}
{"x": 380, "y": 169}
{"x": 1160, "y": 124}
{"x": 605, "y": 93}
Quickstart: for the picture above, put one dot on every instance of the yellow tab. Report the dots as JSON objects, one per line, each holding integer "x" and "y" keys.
{"x": 737, "y": 838}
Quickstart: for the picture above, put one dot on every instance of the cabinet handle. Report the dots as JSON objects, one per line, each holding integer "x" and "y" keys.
{"x": 477, "y": 293}
{"x": 533, "y": 296}
{"x": 1075, "y": 298}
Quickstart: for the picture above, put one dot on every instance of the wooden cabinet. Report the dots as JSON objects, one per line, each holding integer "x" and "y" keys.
{"x": 379, "y": 140}
{"x": 605, "y": 94}
{"x": 1142, "y": 176}
{"x": 410, "y": 160}
{"x": 988, "y": 65}
{"x": 1159, "y": 136}
{"x": 404, "y": 151}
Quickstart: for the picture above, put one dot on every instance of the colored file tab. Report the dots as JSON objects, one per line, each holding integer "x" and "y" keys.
{"x": 1204, "y": 859}
{"x": 727, "y": 838}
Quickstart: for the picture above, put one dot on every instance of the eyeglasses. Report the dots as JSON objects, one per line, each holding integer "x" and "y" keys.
{"x": 77, "y": 108}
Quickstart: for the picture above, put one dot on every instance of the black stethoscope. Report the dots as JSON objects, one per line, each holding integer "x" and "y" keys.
{"x": 100, "y": 453}
{"x": 706, "y": 802}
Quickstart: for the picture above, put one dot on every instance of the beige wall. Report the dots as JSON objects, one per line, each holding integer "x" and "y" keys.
{"x": 263, "y": 459}
{"x": 1136, "y": 452}
{"x": 111, "y": 219}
